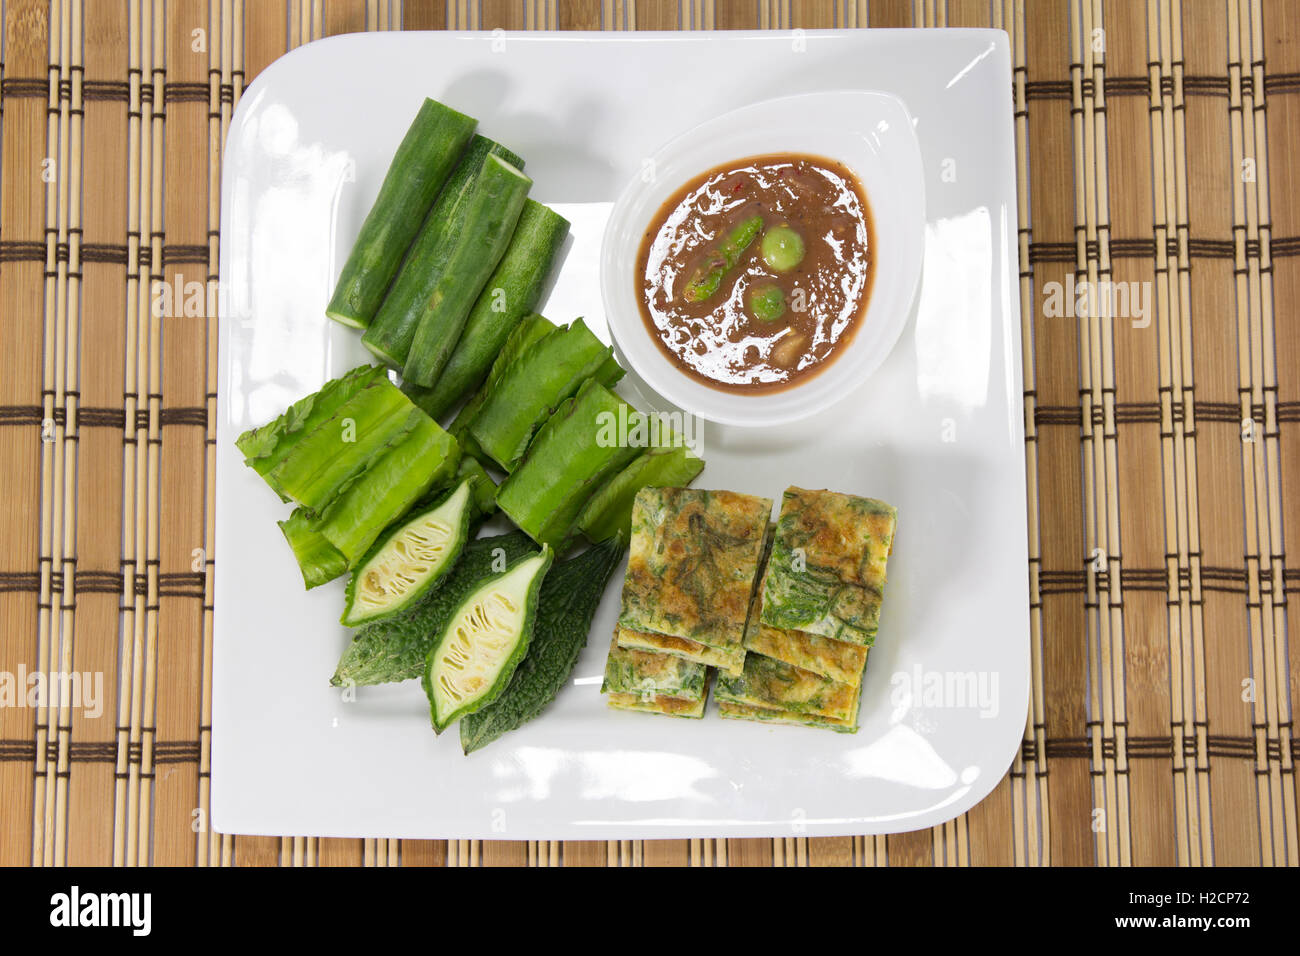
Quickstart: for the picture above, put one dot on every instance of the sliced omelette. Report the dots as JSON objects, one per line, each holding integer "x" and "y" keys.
{"x": 797, "y": 599}
{"x": 843, "y": 536}
{"x": 826, "y": 574}
{"x": 655, "y": 683}
{"x": 838, "y": 660}
{"x": 730, "y": 660}
{"x": 772, "y": 715}
{"x": 658, "y": 704}
{"x": 693, "y": 561}
{"x": 775, "y": 685}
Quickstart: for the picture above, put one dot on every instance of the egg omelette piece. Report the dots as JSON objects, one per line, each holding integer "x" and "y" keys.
{"x": 839, "y": 660}
{"x": 826, "y": 575}
{"x": 843, "y": 536}
{"x": 654, "y": 683}
{"x": 776, "y": 685}
{"x": 693, "y": 561}
{"x": 733, "y": 711}
{"x": 729, "y": 660}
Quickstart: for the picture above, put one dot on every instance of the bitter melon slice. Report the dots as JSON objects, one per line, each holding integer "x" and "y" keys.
{"x": 483, "y": 642}
{"x": 409, "y": 559}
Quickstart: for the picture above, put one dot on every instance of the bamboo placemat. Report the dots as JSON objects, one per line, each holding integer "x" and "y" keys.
{"x": 1158, "y": 457}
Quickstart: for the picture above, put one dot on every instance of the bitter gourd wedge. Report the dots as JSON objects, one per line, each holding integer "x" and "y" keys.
{"x": 383, "y": 492}
{"x": 426, "y": 155}
{"x": 573, "y": 455}
{"x": 567, "y": 602}
{"x": 609, "y": 511}
{"x": 409, "y": 558}
{"x": 320, "y": 465}
{"x": 512, "y": 291}
{"x": 318, "y": 560}
{"x": 395, "y": 319}
{"x": 483, "y": 641}
{"x": 532, "y": 387}
{"x": 397, "y": 648}
{"x": 265, "y": 447}
{"x": 480, "y": 236}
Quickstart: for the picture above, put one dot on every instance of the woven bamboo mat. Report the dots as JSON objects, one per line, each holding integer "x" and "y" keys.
{"x": 1158, "y": 458}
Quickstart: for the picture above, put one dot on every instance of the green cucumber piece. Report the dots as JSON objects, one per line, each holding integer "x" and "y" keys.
{"x": 427, "y": 153}
{"x": 609, "y": 511}
{"x": 512, "y": 292}
{"x": 574, "y": 453}
{"x": 568, "y": 601}
{"x": 395, "y": 320}
{"x": 409, "y": 559}
{"x": 323, "y": 463}
{"x": 381, "y": 494}
{"x": 396, "y": 649}
{"x": 318, "y": 560}
{"x": 484, "y": 640}
{"x": 479, "y": 234}
{"x": 530, "y": 389}
{"x": 265, "y": 447}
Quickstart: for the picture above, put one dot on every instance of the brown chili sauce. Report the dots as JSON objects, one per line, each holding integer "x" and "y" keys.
{"x": 755, "y": 275}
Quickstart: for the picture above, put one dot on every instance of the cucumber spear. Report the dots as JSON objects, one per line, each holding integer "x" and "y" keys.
{"x": 395, "y": 321}
{"x": 511, "y": 293}
{"x": 478, "y": 238}
{"x": 426, "y": 155}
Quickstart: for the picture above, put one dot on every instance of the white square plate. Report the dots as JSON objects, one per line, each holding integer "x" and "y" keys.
{"x": 937, "y": 431}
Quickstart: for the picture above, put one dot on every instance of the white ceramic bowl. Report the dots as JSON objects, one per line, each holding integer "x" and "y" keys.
{"x": 872, "y": 134}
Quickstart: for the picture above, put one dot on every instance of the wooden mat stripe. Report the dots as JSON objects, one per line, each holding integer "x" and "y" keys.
{"x": 1160, "y": 728}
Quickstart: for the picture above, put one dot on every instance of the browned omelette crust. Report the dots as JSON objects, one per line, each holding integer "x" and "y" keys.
{"x": 648, "y": 674}
{"x": 776, "y": 685}
{"x": 693, "y": 560}
{"x": 658, "y": 704}
{"x": 729, "y": 660}
{"x": 846, "y": 535}
{"x": 838, "y": 660}
{"x": 772, "y": 715}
